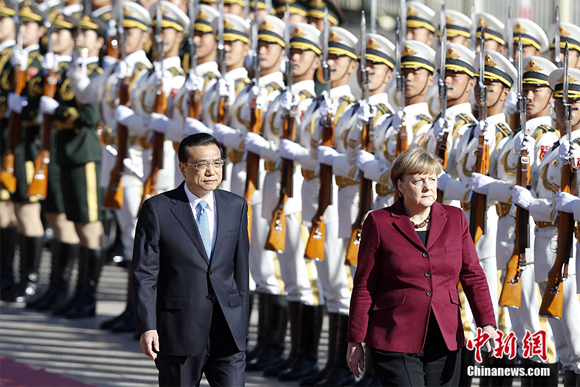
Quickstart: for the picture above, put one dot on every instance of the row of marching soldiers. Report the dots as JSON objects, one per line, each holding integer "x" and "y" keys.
{"x": 290, "y": 288}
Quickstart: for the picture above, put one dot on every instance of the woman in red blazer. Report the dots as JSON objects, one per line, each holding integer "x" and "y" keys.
{"x": 404, "y": 303}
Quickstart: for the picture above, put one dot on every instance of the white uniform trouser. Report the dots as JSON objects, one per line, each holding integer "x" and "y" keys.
{"x": 262, "y": 265}
{"x": 383, "y": 201}
{"x": 299, "y": 275}
{"x": 166, "y": 175}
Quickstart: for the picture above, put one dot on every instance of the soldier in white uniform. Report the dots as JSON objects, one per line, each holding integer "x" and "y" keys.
{"x": 569, "y": 33}
{"x": 299, "y": 275}
{"x": 494, "y": 33}
{"x": 331, "y": 270}
{"x": 417, "y": 67}
{"x": 262, "y": 262}
{"x": 537, "y": 138}
{"x": 104, "y": 89}
{"x": 542, "y": 207}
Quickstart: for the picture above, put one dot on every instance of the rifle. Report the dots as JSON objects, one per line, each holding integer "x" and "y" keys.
{"x": 473, "y": 27}
{"x": 511, "y": 292}
{"x": 315, "y": 245}
{"x": 7, "y": 177}
{"x": 367, "y": 143}
{"x": 39, "y": 185}
{"x": 277, "y": 235}
{"x": 114, "y": 195}
{"x": 256, "y": 120}
{"x": 557, "y": 60}
{"x": 115, "y": 44}
{"x": 442, "y": 142}
{"x": 223, "y": 104}
{"x": 195, "y": 96}
{"x": 510, "y": 34}
{"x": 150, "y": 186}
{"x": 553, "y": 295}
{"x": 402, "y": 143}
{"x": 478, "y": 214}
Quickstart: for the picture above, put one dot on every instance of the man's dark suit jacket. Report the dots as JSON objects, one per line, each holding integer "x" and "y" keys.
{"x": 174, "y": 281}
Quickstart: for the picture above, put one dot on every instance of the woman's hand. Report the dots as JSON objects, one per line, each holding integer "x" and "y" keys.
{"x": 355, "y": 357}
{"x": 490, "y": 344}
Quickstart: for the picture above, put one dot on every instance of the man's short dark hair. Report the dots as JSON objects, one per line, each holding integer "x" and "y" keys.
{"x": 198, "y": 139}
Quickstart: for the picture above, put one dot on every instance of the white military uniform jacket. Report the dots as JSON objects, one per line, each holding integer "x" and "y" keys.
{"x": 273, "y": 131}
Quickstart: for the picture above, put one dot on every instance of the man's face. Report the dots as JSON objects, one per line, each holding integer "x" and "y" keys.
{"x": 462, "y": 40}
{"x": 270, "y": 55}
{"x": 573, "y": 55}
{"x": 418, "y": 81}
{"x": 457, "y": 84}
{"x": 560, "y": 113}
{"x": 62, "y": 41}
{"x": 379, "y": 75}
{"x": 101, "y": 3}
{"x": 135, "y": 39}
{"x": 294, "y": 18}
{"x": 31, "y": 33}
{"x": 496, "y": 91}
{"x": 205, "y": 44}
{"x": 147, "y": 3}
{"x": 201, "y": 182}
{"x": 303, "y": 60}
{"x": 490, "y": 45}
{"x": 340, "y": 66}
{"x": 7, "y": 29}
{"x": 235, "y": 53}
{"x": 170, "y": 38}
{"x": 539, "y": 98}
{"x": 234, "y": 9}
{"x": 316, "y": 23}
{"x": 422, "y": 35}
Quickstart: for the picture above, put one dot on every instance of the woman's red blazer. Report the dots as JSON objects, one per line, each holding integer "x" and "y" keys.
{"x": 399, "y": 281}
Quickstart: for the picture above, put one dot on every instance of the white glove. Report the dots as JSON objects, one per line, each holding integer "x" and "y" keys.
{"x": 254, "y": 142}
{"x": 124, "y": 69}
{"x": 399, "y": 119}
{"x": 193, "y": 126}
{"x": 439, "y": 127}
{"x": 48, "y": 62}
{"x": 16, "y": 102}
{"x": 109, "y": 61}
{"x": 480, "y": 183}
{"x": 288, "y": 100}
{"x": 159, "y": 123}
{"x": 522, "y": 197}
{"x": 363, "y": 158}
{"x": 261, "y": 95}
{"x": 489, "y": 134}
{"x": 442, "y": 180}
{"x": 19, "y": 57}
{"x": 523, "y": 141}
{"x": 326, "y": 155}
{"x": 364, "y": 113}
{"x": 165, "y": 77}
{"x": 193, "y": 82}
{"x": 291, "y": 150}
{"x": 327, "y": 106}
{"x": 220, "y": 131}
{"x": 225, "y": 87}
{"x": 565, "y": 148}
{"x": 111, "y": 28}
{"x": 48, "y": 105}
{"x": 565, "y": 202}
{"x": 123, "y": 114}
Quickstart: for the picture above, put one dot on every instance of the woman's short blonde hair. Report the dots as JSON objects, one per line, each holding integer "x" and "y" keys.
{"x": 414, "y": 161}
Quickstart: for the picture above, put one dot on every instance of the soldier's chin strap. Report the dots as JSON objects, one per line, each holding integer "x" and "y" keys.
{"x": 460, "y": 95}
{"x": 307, "y": 69}
{"x": 499, "y": 96}
{"x": 422, "y": 90}
{"x": 382, "y": 81}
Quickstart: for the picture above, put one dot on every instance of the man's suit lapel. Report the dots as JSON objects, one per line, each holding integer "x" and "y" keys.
{"x": 182, "y": 211}
{"x": 224, "y": 212}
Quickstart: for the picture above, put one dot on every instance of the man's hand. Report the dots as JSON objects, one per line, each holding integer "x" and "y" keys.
{"x": 150, "y": 343}
{"x": 355, "y": 357}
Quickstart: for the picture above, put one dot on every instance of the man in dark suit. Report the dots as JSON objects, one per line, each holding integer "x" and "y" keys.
{"x": 190, "y": 274}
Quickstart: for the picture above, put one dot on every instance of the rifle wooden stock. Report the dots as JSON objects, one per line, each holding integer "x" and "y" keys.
{"x": 7, "y": 177}
{"x": 511, "y": 293}
{"x": 402, "y": 145}
{"x": 113, "y": 47}
{"x": 365, "y": 203}
{"x": 442, "y": 154}
{"x": 114, "y": 195}
{"x": 252, "y": 164}
{"x": 150, "y": 186}
{"x": 39, "y": 185}
{"x": 553, "y": 295}
{"x": 222, "y": 118}
{"x": 315, "y": 245}
{"x": 193, "y": 112}
{"x": 478, "y": 214}
{"x": 277, "y": 234}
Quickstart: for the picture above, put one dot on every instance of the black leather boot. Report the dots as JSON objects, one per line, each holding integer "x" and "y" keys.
{"x": 570, "y": 378}
{"x": 501, "y": 381}
{"x": 340, "y": 374}
{"x": 277, "y": 322}
{"x": 310, "y": 328}
{"x": 8, "y": 239}
{"x": 322, "y": 374}
{"x": 62, "y": 260}
{"x": 30, "y": 252}
{"x": 485, "y": 381}
{"x": 526, "y": 380}
{"x": 369, "y": 378}
{"x": 82, "y": 272}
{"x": 87, "y": 304}
{"x": 294, "y": 316}
{"x": 544, "y": 381}
{"x": 467, "y": 359}
{"x": 261, "y": 342}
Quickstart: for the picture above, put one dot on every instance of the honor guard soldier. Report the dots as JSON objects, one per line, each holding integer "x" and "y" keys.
{"x": 24, "y": 146}
{"x": 536, "y": 139}
{"x": 235, "y": 7}
{"x": 332, "y": 273}
{"x": 304, "y": 305}
{"x": 417, "y": 67}
{"x": 542, "y": 207}
{"x": 105, "y": 90}
{"x": 72, "y": 8}
{"x": 494, "y": 32}
{"x": 569, "y": 33}
{"x": 298, "y": 11}
{"x": 8, "y": 223}
{"x": 206, "y": 45}
{"x": 270, "y": 52}
{"x": 458, "y": 27}
{"x": 459, "y": 79}
{"x": 315, "y": 13}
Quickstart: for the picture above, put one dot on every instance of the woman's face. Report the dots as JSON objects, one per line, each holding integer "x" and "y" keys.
{"x": 419, "y": 190}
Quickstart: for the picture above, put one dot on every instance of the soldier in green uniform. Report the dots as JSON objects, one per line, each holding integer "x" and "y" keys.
{"x": 8, "y": 230}
{"x": 27, "y": 208}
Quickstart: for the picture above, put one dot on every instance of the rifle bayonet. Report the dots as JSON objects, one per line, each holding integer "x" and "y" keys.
{"x": 510, "y": 34}
{"x": 557, "y": 38}
{"x": 363, "y": 57}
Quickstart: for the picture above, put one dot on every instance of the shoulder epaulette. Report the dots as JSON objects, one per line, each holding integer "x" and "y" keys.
{"x": 207, "y": 78}
{"x": 176, "y": 71}
{"x": 541, "y": 130}
{"x": 383, "y": 109}
{"x": 305, "y": 94}
{"x": 464, "y": 119}
{"x": 274, "y": 86}
{"x": 348, "y": 99}
{"x": 424, "y": 120}
{"x": 504, "y": 131}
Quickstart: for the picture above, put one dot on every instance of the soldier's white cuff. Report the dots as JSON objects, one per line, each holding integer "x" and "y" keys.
{"x": 373, "y": 170}
{"x": 80, "y": 83}
{"x": 577, "y": 211}
{"x": 456, "y": 190}
{"x": 500, "y": 191}
{"x": 542, "y": 210}
{"x": 174, "y": 131}
{"x": 269, "y": 152}
{"x": 233, "y": 140}
{"x": 307, "y": 162}
{"x": 138, "y": 125}
{"x": 341, "y": 167}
